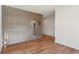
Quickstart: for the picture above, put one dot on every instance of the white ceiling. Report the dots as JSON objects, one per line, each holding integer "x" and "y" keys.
{"x": 41, "y": 9}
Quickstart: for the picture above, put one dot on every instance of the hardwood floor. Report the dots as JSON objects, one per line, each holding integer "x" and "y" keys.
{"x": 43, "y": 45}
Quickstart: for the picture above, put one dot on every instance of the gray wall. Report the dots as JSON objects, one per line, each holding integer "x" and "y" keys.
{"x": 18, "y": 26}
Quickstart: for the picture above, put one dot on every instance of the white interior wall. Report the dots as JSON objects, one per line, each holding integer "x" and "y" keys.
{"x": 0, "y": 28}
{"x": 67, "y": 26}
{"x": 48, "y": 26}
{"x": 18, "y": 27}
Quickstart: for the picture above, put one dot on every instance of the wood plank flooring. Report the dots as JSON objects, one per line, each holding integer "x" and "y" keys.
{"x": 43, "y": 45}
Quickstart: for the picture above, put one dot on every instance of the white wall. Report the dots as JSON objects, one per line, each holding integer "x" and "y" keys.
{"x": 0, "y": 28}
{"x": 67, "y": 26}
{"x": 18, "y": 25}
{"x": 48, "y": 26}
